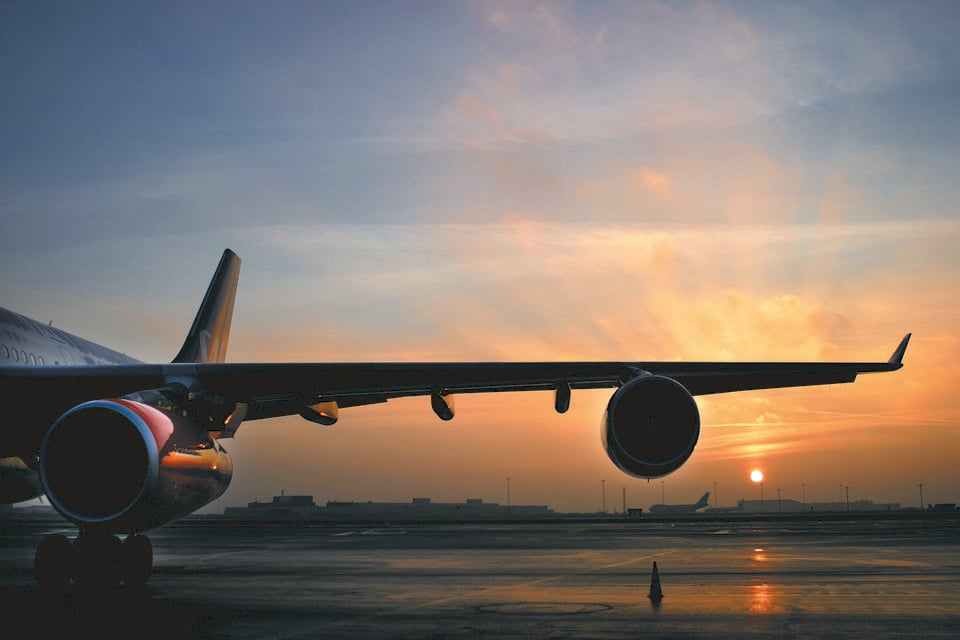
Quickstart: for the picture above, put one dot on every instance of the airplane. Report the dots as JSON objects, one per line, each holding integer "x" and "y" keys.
{"x": 119, "y": 446}
{"x": 681, "y": 508}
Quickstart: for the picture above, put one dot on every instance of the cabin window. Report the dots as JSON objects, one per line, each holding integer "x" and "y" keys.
{"x": 40, "y": 360}
{"x": 5, "y": 350}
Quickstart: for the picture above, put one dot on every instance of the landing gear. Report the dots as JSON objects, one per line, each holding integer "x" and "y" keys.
{"x": 93, "y": 560}
{"x": 136, "y": 559}
{"x": 53, "y": 563}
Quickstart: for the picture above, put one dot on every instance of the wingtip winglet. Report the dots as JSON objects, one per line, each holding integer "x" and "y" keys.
{"x": 897, "y": 357}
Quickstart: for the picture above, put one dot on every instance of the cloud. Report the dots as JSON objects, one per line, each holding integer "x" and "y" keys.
{"x": 658, "y": 184}
{"x": 616, "y": 70}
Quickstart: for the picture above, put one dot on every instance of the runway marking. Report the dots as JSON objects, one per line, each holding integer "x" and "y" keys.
{"x": 531, "y": 583}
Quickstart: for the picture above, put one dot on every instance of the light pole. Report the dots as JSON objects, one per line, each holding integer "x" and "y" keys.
{"x": 761, "y": 497}
{"x": 848, "y": 497}
{"x": 662, "y": 499}
{"x": 716, "y": 495}
{"x": 508, "y": 491}
{"x": 779, "y": 506}
{"x": 921, "y": 495}
{"x": 803, "y": 489}
{"x": 603, "y": 496}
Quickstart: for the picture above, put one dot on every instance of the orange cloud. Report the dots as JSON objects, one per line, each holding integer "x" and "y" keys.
{"x": 650, "y": 181}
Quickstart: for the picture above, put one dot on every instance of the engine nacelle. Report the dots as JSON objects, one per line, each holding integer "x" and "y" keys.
{"x": 18, "y": 482}
{"x": 651, "y": 426}
{"x": 124, "y": 466}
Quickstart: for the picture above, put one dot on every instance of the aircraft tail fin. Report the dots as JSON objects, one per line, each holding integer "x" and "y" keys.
{"x": 210, "y": 333}
{"x": 704, "y": 500}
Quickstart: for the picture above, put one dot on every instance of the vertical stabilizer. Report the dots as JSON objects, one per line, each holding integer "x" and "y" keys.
{"x": 210, "y": 333}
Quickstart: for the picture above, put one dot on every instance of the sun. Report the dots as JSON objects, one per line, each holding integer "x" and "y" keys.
{"x": 756, "y": 475}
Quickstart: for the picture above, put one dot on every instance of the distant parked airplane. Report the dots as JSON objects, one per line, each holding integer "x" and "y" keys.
{"x": 681, "y": 508}
{"x": 120, "y": 446}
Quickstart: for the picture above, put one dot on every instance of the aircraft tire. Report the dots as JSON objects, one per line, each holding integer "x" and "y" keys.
{"x": 53, "y": 563}
{"x": 97, "y": 560}
{"x": 136, "y": 559}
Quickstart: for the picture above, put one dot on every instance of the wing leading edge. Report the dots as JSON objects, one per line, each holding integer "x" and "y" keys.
{"x": 271, "y": 390}
{"x": 346, "y": 381}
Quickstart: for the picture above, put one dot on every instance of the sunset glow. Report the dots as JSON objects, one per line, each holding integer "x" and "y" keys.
{"x": 510, "y": 181}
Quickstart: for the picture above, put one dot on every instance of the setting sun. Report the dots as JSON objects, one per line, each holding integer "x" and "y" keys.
{"x": 756, "y": 475}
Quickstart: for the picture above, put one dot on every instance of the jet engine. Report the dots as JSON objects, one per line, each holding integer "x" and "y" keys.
{"x": 651, "y": 426}
{"x": 123, "y": 466}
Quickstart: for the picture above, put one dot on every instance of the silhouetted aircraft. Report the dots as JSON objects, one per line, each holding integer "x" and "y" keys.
{"x": 681, "y": 508}
{"x": 119, "y": 446}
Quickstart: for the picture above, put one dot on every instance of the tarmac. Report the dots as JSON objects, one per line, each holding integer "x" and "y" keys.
{"x": 861, "y": 578}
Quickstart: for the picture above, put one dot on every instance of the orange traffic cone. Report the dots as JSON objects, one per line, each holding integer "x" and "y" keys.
{"x": 656, "y": 593}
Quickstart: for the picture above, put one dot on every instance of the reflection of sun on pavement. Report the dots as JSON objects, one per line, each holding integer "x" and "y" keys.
{"x": 761, "y": 599}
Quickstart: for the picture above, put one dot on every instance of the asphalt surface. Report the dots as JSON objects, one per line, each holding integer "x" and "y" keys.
{"x": 819, "y": 579}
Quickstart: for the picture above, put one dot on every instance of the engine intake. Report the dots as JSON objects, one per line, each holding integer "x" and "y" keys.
{"x": 124, "y": 466}
{"x": 651, "y": 426}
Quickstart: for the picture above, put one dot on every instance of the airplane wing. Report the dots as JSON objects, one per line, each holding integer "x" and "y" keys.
{"x": 354, "y": 384}
{"x": 272, "y": 390}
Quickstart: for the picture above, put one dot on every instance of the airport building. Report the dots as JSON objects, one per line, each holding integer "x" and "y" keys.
{"x": 303, "y": 507}
{"x": 792, "y": 506}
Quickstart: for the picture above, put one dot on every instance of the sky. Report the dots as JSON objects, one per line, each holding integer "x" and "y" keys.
{"x": 420, "y": 181}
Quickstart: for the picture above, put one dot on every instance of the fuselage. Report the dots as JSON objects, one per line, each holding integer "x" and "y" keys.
{"x": 26, "y": 341}
{"x": 191, "y": 467}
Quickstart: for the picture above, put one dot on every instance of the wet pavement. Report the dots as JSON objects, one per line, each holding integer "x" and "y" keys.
{"x": 860, "y": 578}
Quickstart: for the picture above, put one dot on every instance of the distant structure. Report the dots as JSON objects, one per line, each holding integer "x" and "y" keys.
{"x": 282, "y": 507}
{"x": 303, "y": 507}
{"x": 792, "y": 506}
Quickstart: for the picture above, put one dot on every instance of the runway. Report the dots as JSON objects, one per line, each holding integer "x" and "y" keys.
{"x": 843, "y": 579}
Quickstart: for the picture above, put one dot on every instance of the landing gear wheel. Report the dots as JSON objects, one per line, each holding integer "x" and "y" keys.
{"x": 136, "y": 559}
{"x": 94, "y": 560}
{"x": 97, "y": 560}
{"x": 53, "y": 563}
